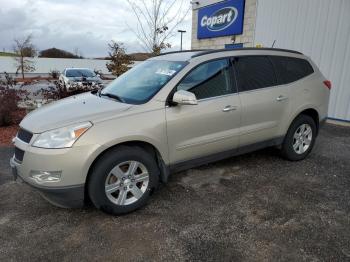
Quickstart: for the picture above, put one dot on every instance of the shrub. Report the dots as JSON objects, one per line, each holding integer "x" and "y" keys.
{"x": 9, "y": 98}
{"x": 9, "y": 80}
{"x": 54, "y": 74}
{"x": 58, "y": 91}
{"x": 8, "y": 104}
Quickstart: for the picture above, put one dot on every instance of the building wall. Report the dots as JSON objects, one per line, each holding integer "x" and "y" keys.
{"x": 318, "y": 28}
{"x": 247, "y": 38}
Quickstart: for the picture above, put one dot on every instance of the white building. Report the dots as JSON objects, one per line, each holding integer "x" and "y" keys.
{"x": 318, "y": 28}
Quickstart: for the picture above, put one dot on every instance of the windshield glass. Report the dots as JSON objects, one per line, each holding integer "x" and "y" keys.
{"x": 143, "y": 81}
{"x": 79, "y": 73}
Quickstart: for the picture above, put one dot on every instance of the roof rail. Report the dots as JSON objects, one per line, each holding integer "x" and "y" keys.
{"x": 185, "y": 51}
{"x": 246, "y": 48}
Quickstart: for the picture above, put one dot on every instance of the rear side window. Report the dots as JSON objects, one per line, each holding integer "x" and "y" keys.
{"x": 254, "y": 72}
{"x": 290, "y": 69}
{"x": 210, "y": 79}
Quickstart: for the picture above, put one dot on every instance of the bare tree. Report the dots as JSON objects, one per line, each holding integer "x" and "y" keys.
{"x": 23, "y": 48}
{"x": 157, "y": 21}
{"x": 78, "y": 53}
{"x": 120, "y": 61}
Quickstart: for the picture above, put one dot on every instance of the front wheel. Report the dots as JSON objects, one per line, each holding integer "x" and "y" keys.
{"x": 122, "y": 180}
{"x": 300, "y": 138}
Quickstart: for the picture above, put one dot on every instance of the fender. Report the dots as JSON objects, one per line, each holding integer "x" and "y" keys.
{"x": 284, "y": 129}
{"x": 163, "y": 163}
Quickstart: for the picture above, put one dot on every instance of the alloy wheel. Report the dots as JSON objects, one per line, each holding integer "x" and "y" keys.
{"x": 302, "y": 138}
{"x": 126, "y": 183}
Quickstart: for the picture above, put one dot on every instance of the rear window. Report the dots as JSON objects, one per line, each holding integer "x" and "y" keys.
{"x": 254, "y": 72}
{"x": 290, "y": 69}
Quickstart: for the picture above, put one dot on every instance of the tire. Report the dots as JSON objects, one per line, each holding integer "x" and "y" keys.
{"x": 297, "y": 145}
{"x": 128, "y": 184}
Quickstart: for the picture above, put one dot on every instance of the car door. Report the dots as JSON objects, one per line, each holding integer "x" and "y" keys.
{"x": 211, "y": 126}
{"x": 264, "y": 103}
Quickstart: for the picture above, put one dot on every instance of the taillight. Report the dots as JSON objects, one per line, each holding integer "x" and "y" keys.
{"x": 328, "y": 84}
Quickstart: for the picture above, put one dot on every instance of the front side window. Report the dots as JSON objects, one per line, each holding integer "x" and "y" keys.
{"x": 142, "y": 82}
{"x": 254, "y": 72}
{"x": 209, "y": 80}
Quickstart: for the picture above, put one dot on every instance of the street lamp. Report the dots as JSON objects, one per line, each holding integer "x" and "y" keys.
{"x": 181, "y": 32}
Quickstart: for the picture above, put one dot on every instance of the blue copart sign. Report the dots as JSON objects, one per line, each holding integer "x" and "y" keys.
{"x": 221, "y": 19}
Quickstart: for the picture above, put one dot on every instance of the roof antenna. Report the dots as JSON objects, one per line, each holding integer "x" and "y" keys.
{"x": 273, "y": 44}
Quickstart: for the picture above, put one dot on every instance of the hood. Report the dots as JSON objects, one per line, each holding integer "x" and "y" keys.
{"x": 71, "y": 110}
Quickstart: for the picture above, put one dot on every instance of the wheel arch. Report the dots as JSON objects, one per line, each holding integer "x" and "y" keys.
{"x": 311, "y": 112}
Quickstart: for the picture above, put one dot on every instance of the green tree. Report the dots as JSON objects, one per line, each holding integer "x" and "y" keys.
{"x": 120, "y": 61}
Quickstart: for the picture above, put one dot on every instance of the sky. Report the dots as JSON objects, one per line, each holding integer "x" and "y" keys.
{"x": 70, "y": 24}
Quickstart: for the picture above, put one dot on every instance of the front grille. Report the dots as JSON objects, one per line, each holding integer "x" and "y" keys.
{"x": 19, "y": 154}
{"x": 24, "y": 135}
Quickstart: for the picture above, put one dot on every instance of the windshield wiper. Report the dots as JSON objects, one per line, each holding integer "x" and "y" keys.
{"x": 118, "y": 98}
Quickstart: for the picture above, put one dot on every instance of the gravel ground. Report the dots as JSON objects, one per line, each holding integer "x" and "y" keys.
{"x": 255, "y": 207}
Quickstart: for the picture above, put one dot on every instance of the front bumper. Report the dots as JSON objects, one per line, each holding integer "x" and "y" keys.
{"x": 62, "y": 196}
{"x": 73, "y": 86}
{"x": 71, "y": 163}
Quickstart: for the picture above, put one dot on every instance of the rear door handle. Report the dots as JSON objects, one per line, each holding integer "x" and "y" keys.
{"x": 229, "y": 108}
{"x": 281, "y": 98}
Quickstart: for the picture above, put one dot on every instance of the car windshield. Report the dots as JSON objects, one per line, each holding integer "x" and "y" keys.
{"x": 143, "y": 81}
{"x": 79, "y": 73}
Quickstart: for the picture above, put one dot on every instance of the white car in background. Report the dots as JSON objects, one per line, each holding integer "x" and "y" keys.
{"x": 72, "y": 78}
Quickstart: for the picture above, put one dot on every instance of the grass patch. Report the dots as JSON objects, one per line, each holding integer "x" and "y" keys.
{"x": 7, "y": 54}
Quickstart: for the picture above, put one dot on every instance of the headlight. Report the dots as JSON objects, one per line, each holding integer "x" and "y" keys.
{"x": 61, "y": 138}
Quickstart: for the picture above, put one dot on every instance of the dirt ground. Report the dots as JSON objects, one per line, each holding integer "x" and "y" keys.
{"x": 255, "y": 207}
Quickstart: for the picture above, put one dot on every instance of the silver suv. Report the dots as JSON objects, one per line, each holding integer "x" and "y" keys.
{"x": 170, "y": 113}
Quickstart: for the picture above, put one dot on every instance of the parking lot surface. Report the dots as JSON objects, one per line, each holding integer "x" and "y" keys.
{"x": 255, "y": 207}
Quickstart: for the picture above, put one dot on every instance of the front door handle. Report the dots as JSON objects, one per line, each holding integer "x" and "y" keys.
{"x": 229, "y": 108}
{"x": 281, "y": 98}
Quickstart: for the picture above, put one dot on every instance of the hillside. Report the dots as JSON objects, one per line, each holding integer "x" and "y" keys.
{"x": 57, "y": 53}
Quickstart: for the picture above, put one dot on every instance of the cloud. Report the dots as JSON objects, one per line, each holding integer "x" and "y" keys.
{"x": 88, "y": 25}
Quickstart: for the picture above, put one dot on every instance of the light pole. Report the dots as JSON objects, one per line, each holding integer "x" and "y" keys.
{"x": 181, "y": 32}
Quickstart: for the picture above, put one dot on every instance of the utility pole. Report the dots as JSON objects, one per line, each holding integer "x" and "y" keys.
{"x": 181, "y": 32}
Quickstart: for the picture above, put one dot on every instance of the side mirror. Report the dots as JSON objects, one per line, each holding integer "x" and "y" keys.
{"x": 183, "y": 97}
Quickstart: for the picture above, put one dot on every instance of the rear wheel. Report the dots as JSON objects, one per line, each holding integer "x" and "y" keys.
{"x": 300, "y": 138}
{"x": 122, "y": 180}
